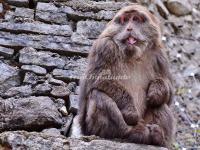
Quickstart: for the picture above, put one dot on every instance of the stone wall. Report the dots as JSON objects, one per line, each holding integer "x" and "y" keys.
{"x": 43, "y": 49}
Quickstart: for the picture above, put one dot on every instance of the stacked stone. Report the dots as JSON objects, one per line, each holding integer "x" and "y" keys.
{"x": 43, "y": 50}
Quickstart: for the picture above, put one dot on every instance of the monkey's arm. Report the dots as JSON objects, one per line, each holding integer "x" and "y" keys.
{"x": 160, "y": 90}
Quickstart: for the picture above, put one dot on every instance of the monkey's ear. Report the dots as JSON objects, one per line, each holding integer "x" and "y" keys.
{"x": 117, "y": 20}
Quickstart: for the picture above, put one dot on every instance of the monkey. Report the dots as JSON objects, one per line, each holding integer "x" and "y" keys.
{"x": 127, "y": 89}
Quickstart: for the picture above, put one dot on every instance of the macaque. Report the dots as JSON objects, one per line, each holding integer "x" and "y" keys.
{"x": 127, "y": 90}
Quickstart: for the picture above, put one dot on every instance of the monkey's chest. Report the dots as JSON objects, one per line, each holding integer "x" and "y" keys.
{"x": 136, "y": 84}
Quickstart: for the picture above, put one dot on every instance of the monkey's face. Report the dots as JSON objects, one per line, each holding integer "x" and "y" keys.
{"x": 134, "y": 28}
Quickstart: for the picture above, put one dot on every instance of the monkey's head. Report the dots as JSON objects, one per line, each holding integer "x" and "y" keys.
{"x": 133, "y": 29}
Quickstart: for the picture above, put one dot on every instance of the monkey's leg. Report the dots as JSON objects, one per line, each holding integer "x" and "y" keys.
{"x": 159, "y": 92}
{"x": 104, "y": 117}
{"x": 105, "y": 120}
{"x": 130, "y": 115}
{"x": 161, "y": 125}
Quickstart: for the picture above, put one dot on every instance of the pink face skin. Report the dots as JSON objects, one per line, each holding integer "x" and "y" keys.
{"x": 129, "y": 19}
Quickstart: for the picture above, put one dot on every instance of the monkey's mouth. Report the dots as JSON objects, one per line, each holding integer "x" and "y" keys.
{"x": 130, "y": 40}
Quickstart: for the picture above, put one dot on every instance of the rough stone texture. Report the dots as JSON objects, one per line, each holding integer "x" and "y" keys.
{"x": 20, "y": 3}
{"x": 51, "y": 132}
{"x": 47, "y": 42}
{"x": 36, "y": 69}
{"x": 32, "y": 140}
{"x": 46, "y": 142}
{"x": 66, "y": 127}
{"x": 24, "y": 13}
{"x": 60, "y": 91}
{"x": 6, "y": 52}
{"x": 47, "y": 59}
{"x": 74, "y": 69}
{"x": 32, "y": 113}
{"x": 87, "y": 31}
{"x": 39, "y": 28}
{"x": 9, "y": 76}
{"x": 43, "y": 89}
{"x": 179, "y": 7}
{"x": 74, "y": 99}
{"x": 21, "y": 91}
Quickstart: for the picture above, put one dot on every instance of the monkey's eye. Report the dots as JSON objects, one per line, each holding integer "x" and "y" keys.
{"x": 139, "y": 19}
{"x": 123, "y": 19}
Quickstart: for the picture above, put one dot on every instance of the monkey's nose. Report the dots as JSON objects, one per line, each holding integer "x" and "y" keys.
{"x": 129, "y": 29}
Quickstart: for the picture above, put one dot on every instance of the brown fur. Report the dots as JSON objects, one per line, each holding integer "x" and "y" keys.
{"x": 135, "y": 108}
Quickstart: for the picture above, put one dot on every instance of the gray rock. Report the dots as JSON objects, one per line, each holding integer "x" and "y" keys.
{"x": 32, "y": 141}
{"x": 32, "y": 113}
{"x": 79, "y": 15}
{"x": 39, "y": 28}
{"x": 58, "y": 44}
{"x": 29, "y": 55}
{"x": 75, "y": 68}
{"x": 22, "y": 91}
{"x": 77, "y": 90}
{"x": 46, "y": 7}
{"x": 179, "y": 7}
{"x": 60, "y": 91}
{"x": 24, "y": 14}
{"x": 51, "y": 132}
{"x": 72, "y": 86}
{"x": 49, "y": 17}
{"x": 49, "y": 13}
{"x": 19, "y": 3}
{"x": 81, "y": 39}
{"x": 6, "y": 52}
{"x": 66, "y": 75}
{"x": 86, "y": 6}
{"x": 74, "y": 100}
{"x": 75, "y": 130}
{"x": 33, "y": 68}
{"x": 87, "y": 30}
{"x": 30, "y": 78}
{"x": 1, "y": 7}
{"x": 9, "y": 77}
{"x": 46, "y": 142}
{"x": 162, "y": 9}
{"x": 66, "y": 127}
{"x": 59, "y": 102}
{"x": 55, "y": 81}
{"x": 42, "y": 89}
{"x": 106, "y": 144}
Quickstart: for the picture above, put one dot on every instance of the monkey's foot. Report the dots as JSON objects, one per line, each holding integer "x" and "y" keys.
{"x": 156, "y": 134}
{"x": 131, "y": 118}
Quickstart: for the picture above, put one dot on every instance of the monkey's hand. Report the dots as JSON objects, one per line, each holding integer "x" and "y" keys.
{"x": 157, "y": 93}
{"x": 130, "y": 117}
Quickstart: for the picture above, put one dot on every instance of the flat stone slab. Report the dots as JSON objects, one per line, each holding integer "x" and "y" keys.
{"x": 45, "y": 141}
{"x": 6, "y": 52}
{"x": 30, "y": 56}
{"x": 73, "y": 70}
{"x": 9, "y": 77}
{"x": 39, "y": 28}
{"x": 59, "y": 44}
{"x": 32, "y": 114}
{"x": 19, "y": 3}
{"x": 33, "y": 68}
